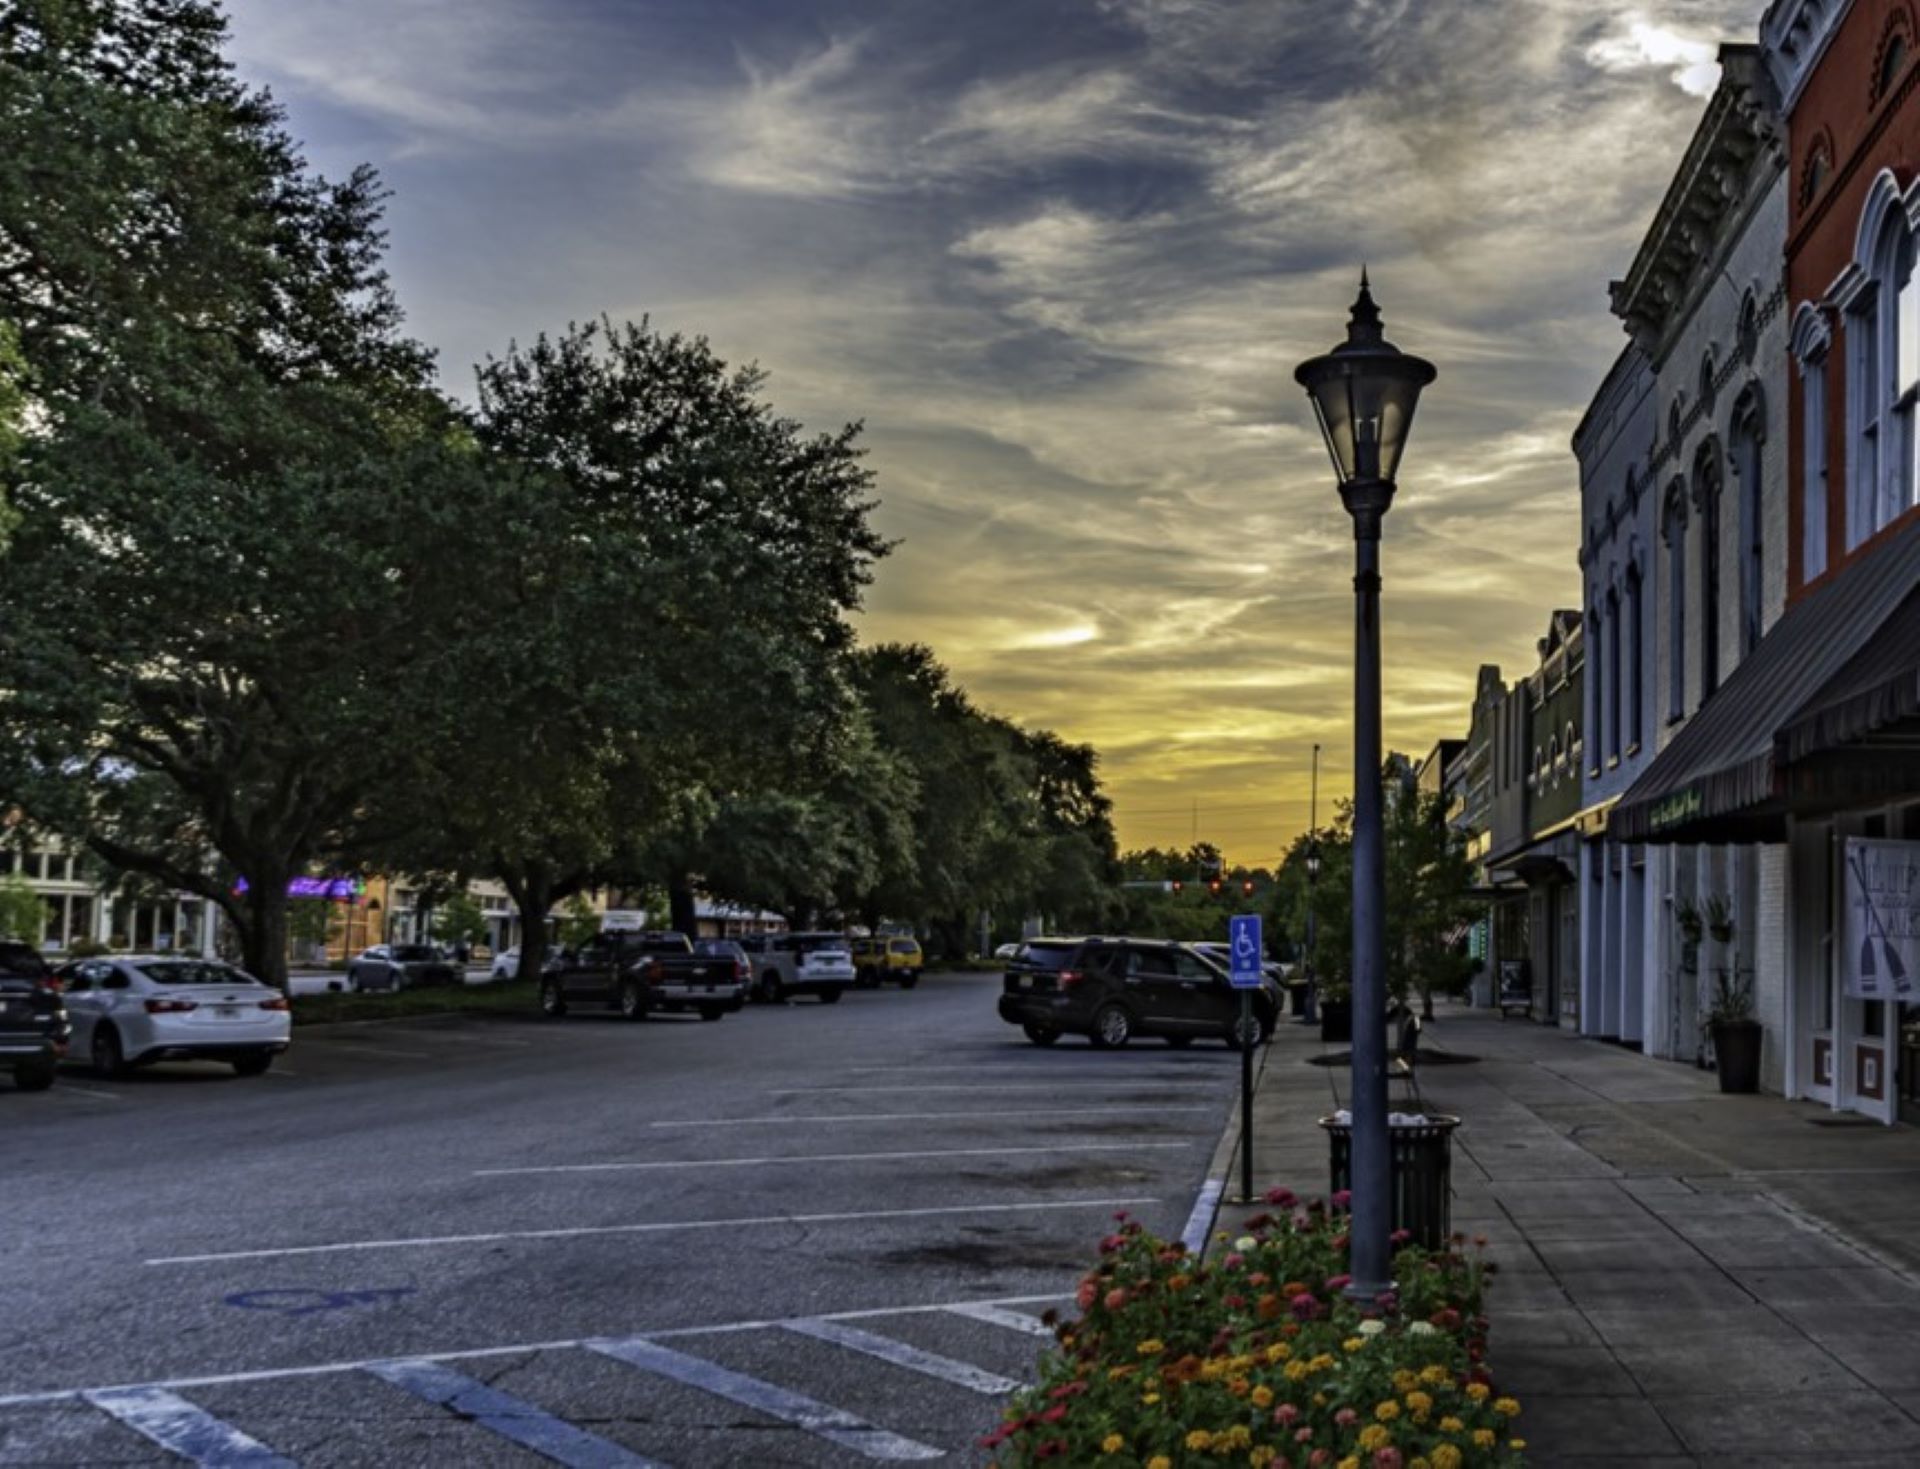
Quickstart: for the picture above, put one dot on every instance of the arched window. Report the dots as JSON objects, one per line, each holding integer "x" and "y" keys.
{"x": 1597, "y": 704}
{"x": 1708, "y": 481}
{"x": 1612, "y": 651}
{"x": 1673, "y": 531}
{"x": 1809, "y": 343}
{"x": 1673, "y": 424}
{"x": 1635, "y": 653}
{"x": 1749, "y": 434}
{"x": 1892, "y": 58}
{"x": 1883, "y": 367}
{"x": 1814, "y": 175}
{"x": 1706, "y": 378}
{"x": 1748, "y": 332}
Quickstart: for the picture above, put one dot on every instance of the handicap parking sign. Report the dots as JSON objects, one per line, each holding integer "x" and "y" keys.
{"x": 1244, "y": 951}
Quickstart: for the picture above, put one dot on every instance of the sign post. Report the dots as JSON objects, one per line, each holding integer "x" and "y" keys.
{"x": 1244, "y": 972}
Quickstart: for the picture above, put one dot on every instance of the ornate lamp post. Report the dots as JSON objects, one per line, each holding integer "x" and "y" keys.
{"x": 1310, "y": 1011}
{"x": 1364, "y": 392}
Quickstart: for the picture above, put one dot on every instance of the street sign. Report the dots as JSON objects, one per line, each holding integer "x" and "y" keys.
{"x": 1244, "y": 951}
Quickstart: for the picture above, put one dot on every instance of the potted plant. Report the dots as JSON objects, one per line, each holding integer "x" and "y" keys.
{"x": 1719, "y": 917}
{"x": 1736, "y": 1034}
{"x": 1691, "y": 927}
{"x": 1336, "y": 1010}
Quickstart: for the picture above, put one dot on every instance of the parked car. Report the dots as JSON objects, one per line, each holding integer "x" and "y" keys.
{"x": 787, "y": 964}
{"x": 887, "y": 957}
{"x": 1113, "y": 989}
{"x": 639, "y": 973}
{"x": 132, "y": 1011}
{"x": 1274, "y": 976}
{"x": 1006, "y": 951}
{"x": 34, "y": 1028}
{"x": 402, "y": 967}
{"x": 728, "y": 950}
{"x": 506, "y": 964}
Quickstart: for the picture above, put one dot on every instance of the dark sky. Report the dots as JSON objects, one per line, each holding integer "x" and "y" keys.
{"x": 1061, "y": 257}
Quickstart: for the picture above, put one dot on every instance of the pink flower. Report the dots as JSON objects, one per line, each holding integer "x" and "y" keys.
{"x": 1087, "y": 1295}
{"x": 1400, "y": 1236}
{"x": 1387, "y": 1458}
{"x": 1319, "y": 1457}
{"x": 1305, "y": 1307}
{"x": 1235, "y": 1261}
{"x": 1339, "y": 1282}
{"x": 1341, "y": 1199}
{"x": 1120, "y": 1216}
{"x": 1054, "y": 1414}
{"x": 1346, "y": 1417}
{"x": 1115, "y": 1300}
{"x": 1285, "y": 1415}
{"x": 1111, "y": 1243}
{"x": 1284, "y": 1197}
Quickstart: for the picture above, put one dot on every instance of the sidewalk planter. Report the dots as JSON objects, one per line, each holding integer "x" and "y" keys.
{"x": 1422, "y": 1162}
{"x": 1297, "y": 999}
{"x": 1336, "y": 1018}
{"x": 1736, "y": 1049}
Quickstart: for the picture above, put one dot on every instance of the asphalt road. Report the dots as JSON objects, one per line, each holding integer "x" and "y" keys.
{"x": 477, "y": 1241}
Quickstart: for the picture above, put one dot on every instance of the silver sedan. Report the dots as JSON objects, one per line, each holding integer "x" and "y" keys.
{"x": 128, "y": 1012}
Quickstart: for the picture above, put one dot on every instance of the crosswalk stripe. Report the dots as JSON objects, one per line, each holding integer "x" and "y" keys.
{"x": 832, "y": 1424}
{"x": 930, "y": 1364}
{"x": 181, "y": 1428}
{"x": 510, "y": 1417}
{"x": 1000, "y": 1316}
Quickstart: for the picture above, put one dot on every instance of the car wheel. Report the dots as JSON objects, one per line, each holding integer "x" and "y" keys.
{"x": 553, "y": 1004}
{"x": 633, "y": 1003}
{"x": 1041, "y": 1035}
{"x": 831, "y": 994}
{"x": 1112, "y": 1027}
{"x": 34, "y": 1078}
{"x": 712, "y": 1012}
{"x": 909, "y": 980}
{"x": 1178, "y": 1042}
{"x": 1238, "y": 1032}
{"x": 771, "y": 991}
{"x": 108, "y": 1057}
{"x": 253, "y": 1065}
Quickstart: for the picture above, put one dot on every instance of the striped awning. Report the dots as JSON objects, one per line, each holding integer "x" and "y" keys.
{"x": 1838, "y": 665}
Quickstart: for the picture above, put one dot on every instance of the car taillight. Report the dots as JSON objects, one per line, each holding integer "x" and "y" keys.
{"x": 278, "y": 1002}
{"x": 51, "y": 984}
{"x": 1070, "y": 977}
{"x": 739, "y": 970}
{"x": 656, "y": 971}
{"x": 171, "y": 1007}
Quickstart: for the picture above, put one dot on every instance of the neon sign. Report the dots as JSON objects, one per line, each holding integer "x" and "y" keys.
{"x": 327, "y": 889}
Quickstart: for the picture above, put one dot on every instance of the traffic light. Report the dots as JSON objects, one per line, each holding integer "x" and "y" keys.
{"x": 1177, "y": 886}
{"x": 1213, "y": 886}
{"x": 1246, "y": 888}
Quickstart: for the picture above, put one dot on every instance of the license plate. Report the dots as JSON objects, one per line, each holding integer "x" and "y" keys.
{"x": 1026, "y": 981}
{"x": 227, "y": 1012}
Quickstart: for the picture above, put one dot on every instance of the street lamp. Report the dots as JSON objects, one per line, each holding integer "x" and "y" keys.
{"x": 1364, "y": 392}
{"x": 1310, "y": 1011}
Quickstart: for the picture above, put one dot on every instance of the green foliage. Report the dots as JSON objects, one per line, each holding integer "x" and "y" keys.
{"x": 23, "y": 912}
{"x": 460, "y": 919}
{"x": 309, "y": 920}
{"x": 1260, "y": 1357}
{"x": 13, "y": 403}
{"x": 578, "y": 924}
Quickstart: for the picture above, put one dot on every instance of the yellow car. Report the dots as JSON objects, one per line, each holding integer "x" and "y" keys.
{"x": 892, "y": 958}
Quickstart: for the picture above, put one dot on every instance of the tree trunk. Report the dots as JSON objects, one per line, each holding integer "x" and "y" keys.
{"x": 680, "y": 914}
{"x": 263, "y": 937}
{"x": 534, "y": 896}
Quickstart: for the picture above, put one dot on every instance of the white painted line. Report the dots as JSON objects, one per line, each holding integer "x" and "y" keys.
{"x": 997, "y": 1315}
{"x": 900, "y": 1354}
{"x": 510, "y": 1417}
{"x": 828, "y": 1158}
{"x": 478, "y": 1354}
{"x": 87, "y": 1091}
{"x": 1004, "y": 1114}
{"x": 379, "y": 1051}
{"x": 833, "y": 1424}
{"x": 1194, "y": 1236}
{"x": 665, "y": 1227}
{"x": 1131, "y": 1083}
{"x": 180, "y": 1428}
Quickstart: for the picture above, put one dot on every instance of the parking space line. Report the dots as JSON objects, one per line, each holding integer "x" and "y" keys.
{"x": 1003, "y": 1114}
{"x": 510, "y": 1417}
{"x": 372, "y": 1050}
{"x": 87, "y": 1091}
{"x": 833, "y": 1424}
{"x": 513, "y": 1349}
{"x": 1128, "y": 1082}
{"x": 828, "y": 1158}
{"x": 661, "y": 1227}
{"x": 995, "y": 1315}
{"x": 900, "y": 1354}
{"x": 179, "y": 1427}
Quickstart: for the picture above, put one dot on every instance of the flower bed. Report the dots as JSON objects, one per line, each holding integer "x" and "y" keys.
{"x": 1263, "y": 1359}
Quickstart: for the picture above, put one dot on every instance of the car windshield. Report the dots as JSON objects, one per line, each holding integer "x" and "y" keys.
{"x": 1047, "y": 956}
{"x": 813, "y": 943}
{"x": 188, "y": 971}
{"x": 904, "y": 946}
{"x": 665, "y": 943}
{"x": 416, "y": 953}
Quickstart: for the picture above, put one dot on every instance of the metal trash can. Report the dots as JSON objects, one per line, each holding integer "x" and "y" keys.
{"x": 1421, "y": 1155}
{"x": 1297, "y": 998}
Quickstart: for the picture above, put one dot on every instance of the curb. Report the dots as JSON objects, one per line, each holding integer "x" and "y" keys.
{"x": 1206, "y": 1204}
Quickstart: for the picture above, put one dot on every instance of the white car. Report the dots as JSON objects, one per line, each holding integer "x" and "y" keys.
{"x": 130, "y": 1011}
{"x": 506, "y": 964}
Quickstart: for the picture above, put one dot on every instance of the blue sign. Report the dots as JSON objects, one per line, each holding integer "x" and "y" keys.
{"x": 1244, "y": 951}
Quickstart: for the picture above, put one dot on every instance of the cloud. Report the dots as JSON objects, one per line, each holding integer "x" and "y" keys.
{"x": 1061, "y": 259}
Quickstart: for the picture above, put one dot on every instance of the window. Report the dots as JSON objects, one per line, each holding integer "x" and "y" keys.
{"x": 1813, "y": 465}
{"x": 1749, "y": 329}
{"x": 1749, "y": 435}
{"x": 1706, "y": 498}
{"x": 1634, "y": 655}
{"x": 1893, "y": 57}
{"x": 1674, "y": 532}
{"x": 1598, "y": 704}
{"x": 1883, "y": 366}
{"x": 1706, "y": 379}
{"x": 1611, "y": 677}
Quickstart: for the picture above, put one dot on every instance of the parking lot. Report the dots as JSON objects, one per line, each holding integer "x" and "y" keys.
{"x": 805, "y": 1235}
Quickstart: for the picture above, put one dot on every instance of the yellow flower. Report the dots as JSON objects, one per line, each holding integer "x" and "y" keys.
{"x": 1349, "y": 1463}
{"x": 1120, "y": 1374}
{"x": 1149, "y": 1400}
{"x": 1239, "y": 1387}
{"x": 1451, "y": 1424}
{"x": 1374, "y": 1436}
{"x": 1262, "y": 1396}
{"x": 1483, "y": 1438}
{"x": 1151, "y": 1347}
{"x": 1159, "y": 1461}
{"x": 1404, "y": 1381}
{"x": 1236, "y": 1437}
{"x": 1319, "y": 1400}
{"x": 1261, "y": 1456}
{"x": 1279, "y": 1352}
{"x": 1296, "y": 1370}
{"x": 1322, "y": 1362}
{"x": 1478, "y": 1391}
{"x": 1433, "y": 1376}
{"x": 1387, "y": 1411}
{"x": 1418, "y": 1462}
{"x": 1419, "y": 1402}
{"x": 1444, "y": 1456}
{"x": 1507, "y": 1407}
{"x": 1353, "y": 1343}
{"x": 1113, "y": 1443}
{"x": 1199, "y": 1440}
{"x": 1516, "y": 1443}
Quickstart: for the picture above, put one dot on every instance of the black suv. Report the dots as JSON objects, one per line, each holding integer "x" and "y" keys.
{"x": 33, "y": 1021}
{"x": 1112, "y": 989}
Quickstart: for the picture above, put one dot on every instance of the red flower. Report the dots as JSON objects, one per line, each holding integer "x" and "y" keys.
{"x": 1284, "y": 1197}
{"x": 1339, "y": 1282}
{"x": 1054, "y": 1414}
{"x": 1341, "y": 1199}
{"x": 1387, "y": 1458}
{"x": 1115, "y": 1300}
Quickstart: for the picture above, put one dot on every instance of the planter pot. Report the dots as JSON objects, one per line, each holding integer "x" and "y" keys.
{"x": 1297, "y": 1000}
{"x": 1336, "y": 1018}
{"x": 1736, "y": 1049}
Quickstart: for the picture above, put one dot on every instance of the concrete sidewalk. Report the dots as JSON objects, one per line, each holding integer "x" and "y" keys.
{"x": 1684, "y": 1278}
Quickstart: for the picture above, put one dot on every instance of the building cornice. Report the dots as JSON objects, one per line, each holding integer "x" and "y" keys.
{"x": 1794, "y": 35}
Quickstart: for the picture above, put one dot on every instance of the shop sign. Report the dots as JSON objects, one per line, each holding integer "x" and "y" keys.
{"x": 1880, "y": 932}
{"x": 327, "y": 889}
{"x": 1676, "y": 809}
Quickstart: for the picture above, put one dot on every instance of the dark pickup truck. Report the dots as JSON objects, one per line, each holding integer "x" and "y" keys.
{"x": 33, "y": 1022}
{"x": 640, "y": 973}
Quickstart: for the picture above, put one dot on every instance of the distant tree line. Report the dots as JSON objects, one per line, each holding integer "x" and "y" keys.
{"x": 272, "y": 601}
